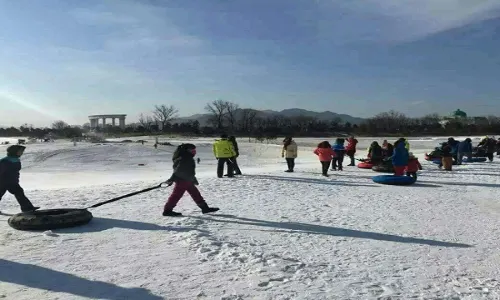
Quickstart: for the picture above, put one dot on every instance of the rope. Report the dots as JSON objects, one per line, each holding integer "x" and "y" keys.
{"x": 127, "y": 195}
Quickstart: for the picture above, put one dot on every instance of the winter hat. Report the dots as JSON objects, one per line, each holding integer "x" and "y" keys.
{"x": 223, "y": 136}
{"x": 12, "y": 150}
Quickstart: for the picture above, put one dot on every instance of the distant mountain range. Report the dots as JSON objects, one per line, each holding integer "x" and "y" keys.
{"x": 292, "y": 112}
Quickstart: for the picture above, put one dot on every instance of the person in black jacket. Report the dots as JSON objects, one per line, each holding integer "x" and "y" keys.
{"x": 184, "y": 177}
{"x": 236, "y": 168}
{"x": 10, "y": 166}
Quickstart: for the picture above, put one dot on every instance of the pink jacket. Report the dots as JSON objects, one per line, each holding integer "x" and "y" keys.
{"x": 325, "y": 154}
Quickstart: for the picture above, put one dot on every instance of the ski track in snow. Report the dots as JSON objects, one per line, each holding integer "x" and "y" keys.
{"x": 277, "y": 236}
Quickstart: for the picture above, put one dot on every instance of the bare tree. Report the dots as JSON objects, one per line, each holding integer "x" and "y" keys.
{"x": 231, "y": 114}
{"x": 59, "y": 125}
{"x": 218, "y": 111}
{"x": 146, "y": 121}
{"x": 164, "y": 114}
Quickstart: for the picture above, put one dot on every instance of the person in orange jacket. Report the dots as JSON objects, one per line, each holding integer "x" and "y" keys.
{"x": 413, "y": 166}
{"x": 325, "y": 153}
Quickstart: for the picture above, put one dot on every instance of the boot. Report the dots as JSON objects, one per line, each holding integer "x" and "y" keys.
{"x": 32, "y": 209}
{"x": 205, "y": 209}
{"x": 171, "y": 213}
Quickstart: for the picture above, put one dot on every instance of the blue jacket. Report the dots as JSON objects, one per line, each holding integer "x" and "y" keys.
{"x": 339, "y": 149}
{"x": 454, "y": 146}
{"x": 9, "y": 170}
{"x": 465, "y": 147}
{"x": 400, "y": 156}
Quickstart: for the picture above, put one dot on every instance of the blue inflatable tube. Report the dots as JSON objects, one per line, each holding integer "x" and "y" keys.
{"x": 393, "y": 180}
{"x": 474, "y": 159}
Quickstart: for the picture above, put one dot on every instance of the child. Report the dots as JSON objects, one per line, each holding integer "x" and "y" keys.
{"x": 400, "y": 158}
{"x": 9, "y": 177}
{"x": 447, "y": 157}
{"x": 339, "y": 150}
{"x": 351, "y": 149}
{"x": 325, "y": 154}
{"x": 184, "y": 176}
{"x": 413, "y": 166}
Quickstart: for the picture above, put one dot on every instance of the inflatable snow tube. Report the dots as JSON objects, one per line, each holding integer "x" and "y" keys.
{"x": 48, "y": 219}
{"x": 474, "y": 159}
{"x": 365, "y": 165}
{"x": 383, "y": 168}
{"x": 432, "y": 157}
{"x": 393, "y": 180}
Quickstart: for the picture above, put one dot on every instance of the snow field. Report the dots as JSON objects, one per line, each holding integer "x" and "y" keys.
{"x": 277, "y": 236}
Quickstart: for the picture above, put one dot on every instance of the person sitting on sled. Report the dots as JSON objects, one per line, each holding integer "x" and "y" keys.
{"x": 375, "y": 153}
{"x": 184, "y": 177}
{"x": 413, "y": 166}
{"x": 400, "y": 157}
{"x": 10, "y": 166}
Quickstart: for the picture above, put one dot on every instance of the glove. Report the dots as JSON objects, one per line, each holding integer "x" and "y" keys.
{"x": 169, "y": 182}
{"x": 195, "y": 182}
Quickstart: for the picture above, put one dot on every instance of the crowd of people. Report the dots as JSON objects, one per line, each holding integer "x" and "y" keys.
{"x": 226, "y": 151}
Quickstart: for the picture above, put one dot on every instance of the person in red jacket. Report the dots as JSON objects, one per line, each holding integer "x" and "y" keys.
{"x": 413, "y": 166}
{"x": 350, "y": 149}
{"x": 325, "y": 154}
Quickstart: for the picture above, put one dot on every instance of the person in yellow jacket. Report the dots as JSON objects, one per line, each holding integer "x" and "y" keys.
{"x": 224, "y": 151}
{"x": 289, "y": 152}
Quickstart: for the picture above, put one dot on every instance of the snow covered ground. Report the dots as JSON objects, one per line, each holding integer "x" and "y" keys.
{"x": 277, "y": 236}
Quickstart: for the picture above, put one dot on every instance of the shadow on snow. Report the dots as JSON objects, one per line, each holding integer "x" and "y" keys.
{"x": 55, "y": 281}
{"x": 290, "y": 227}
{"x": 102, "y": 224}
{"x": 309, "y": 180}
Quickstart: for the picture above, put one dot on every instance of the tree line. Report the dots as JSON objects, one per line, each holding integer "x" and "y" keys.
{"x": 228, "y": 117}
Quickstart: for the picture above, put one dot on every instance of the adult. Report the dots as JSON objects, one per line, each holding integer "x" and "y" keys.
{"x": 400, "y": 157}
{"x": 489, "y": 145}
{"x": 350, "y": 149}
{"x": 289, "y": 152}
{"x": 236, "y": 168}
{"x": 454, "y": 148}
{"x": 375, "y": 153}
{"x": 223, "y": 151}
{"x": 464, "y": 149}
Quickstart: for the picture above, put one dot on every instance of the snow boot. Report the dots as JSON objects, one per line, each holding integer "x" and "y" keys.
{"x": 289, "y": 171}
{"x": 170, "y": 213}
{"x": 205, "y": 209}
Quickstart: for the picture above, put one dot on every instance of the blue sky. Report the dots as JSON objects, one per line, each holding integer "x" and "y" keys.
{"x": 66, "y": 59}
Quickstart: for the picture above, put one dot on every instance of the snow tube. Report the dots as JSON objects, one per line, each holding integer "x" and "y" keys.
{"x": 431, "y": 157}
{"x": 365, "y": 165}
{"x": 437, "y": 162}
{"x": 384, "y": 168}
{"x": 474, "y": 159}
{"x": 393, "y": 179}
{"x": 48, "y": 219}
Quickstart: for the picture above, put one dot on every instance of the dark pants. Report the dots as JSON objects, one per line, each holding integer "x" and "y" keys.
{"x": 325, "y": 165}
{"x": 490, "y": 156}
{"x": 16, "y": 190}
{"x": 236, "y": 168}
{"x": 220, "y": 167}
{"x": 337, "y": 163}
{"x": 180, "y": 188}
{"x": 290, "y": 163}
{"x": 351, "y": 156}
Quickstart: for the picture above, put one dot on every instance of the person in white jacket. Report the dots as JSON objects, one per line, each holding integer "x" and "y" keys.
{"x": 289, "y": 152}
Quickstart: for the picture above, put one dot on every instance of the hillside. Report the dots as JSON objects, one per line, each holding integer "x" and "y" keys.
{"x": 292, "y": 112}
